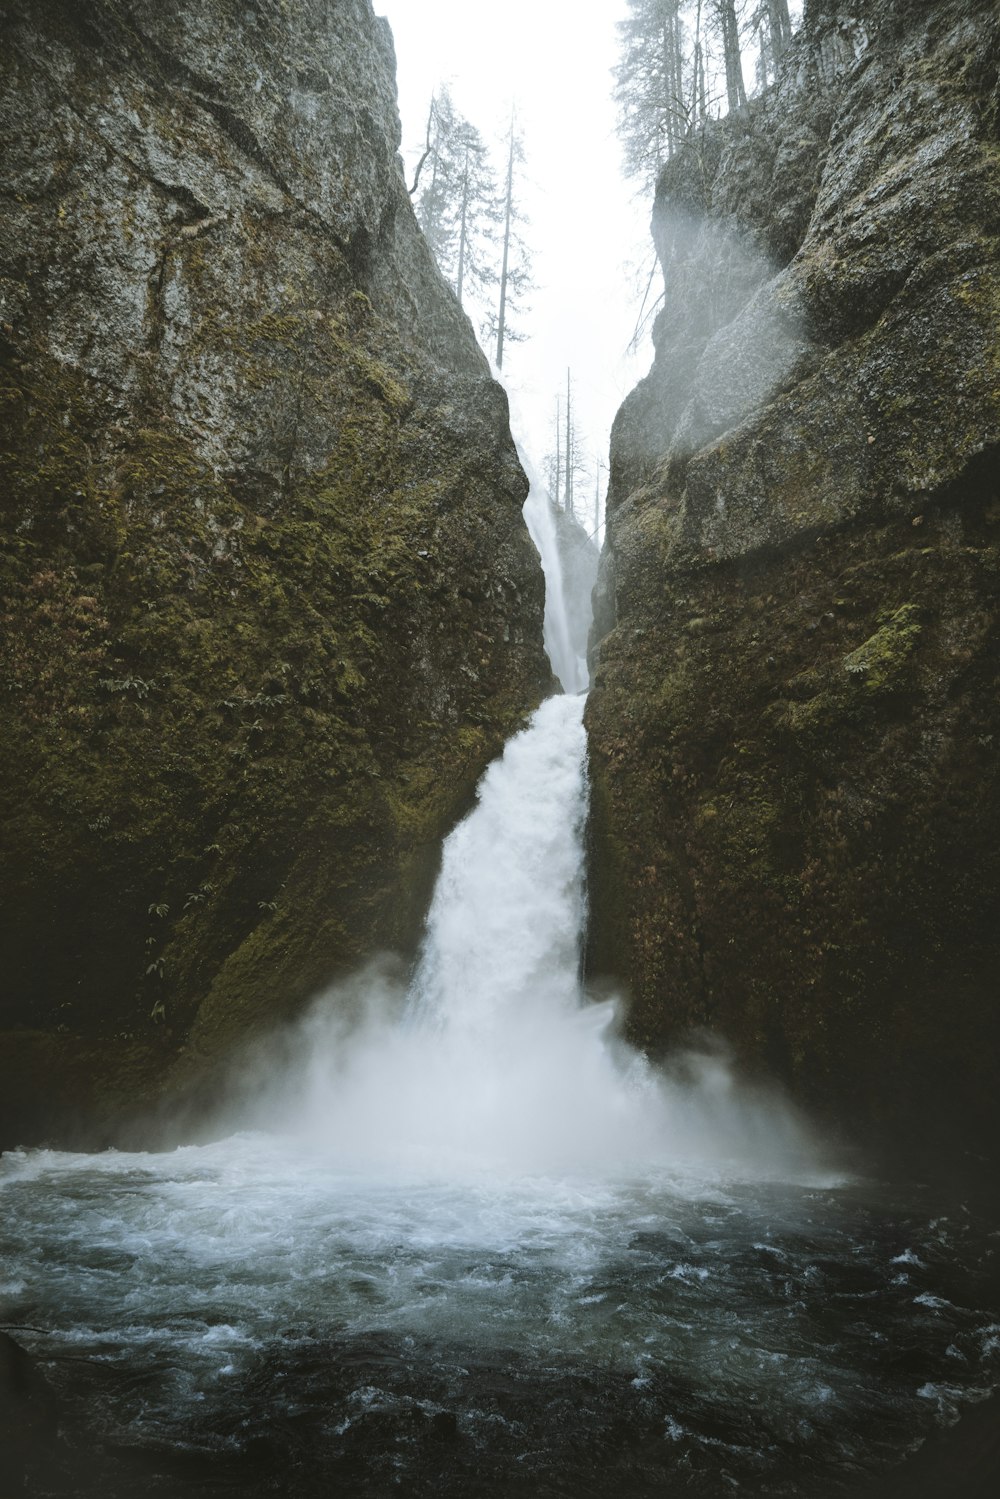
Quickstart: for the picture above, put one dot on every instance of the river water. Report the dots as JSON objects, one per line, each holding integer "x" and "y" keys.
{"x": 464, "y": 1242}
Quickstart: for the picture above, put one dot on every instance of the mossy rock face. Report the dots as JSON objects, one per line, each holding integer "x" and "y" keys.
{"x": 795, "y": 722}
{"x": 268, "y": 602}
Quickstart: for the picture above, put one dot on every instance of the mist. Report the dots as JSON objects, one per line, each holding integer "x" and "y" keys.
{"x": 489, "y": 1057}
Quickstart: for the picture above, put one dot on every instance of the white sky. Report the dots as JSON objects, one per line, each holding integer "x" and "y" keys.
{"x": 589, "y": 236}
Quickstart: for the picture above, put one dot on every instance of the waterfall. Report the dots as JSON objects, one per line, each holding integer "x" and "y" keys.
{"x": 504, "y": 929}
{"x": 492, "y": 1057}
{"x": 492, "y": 1060}
{"x": 568, "y": 665}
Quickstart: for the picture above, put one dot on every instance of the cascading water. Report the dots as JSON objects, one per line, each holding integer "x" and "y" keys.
{"x": 492, "y": 1061}
{"x": 473, "y": 1245}
{"x": 568, "y": 664}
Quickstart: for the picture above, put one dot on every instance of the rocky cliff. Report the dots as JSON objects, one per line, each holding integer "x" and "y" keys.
{"x": 268, "y": 603}
{"x": 795, "y": 726}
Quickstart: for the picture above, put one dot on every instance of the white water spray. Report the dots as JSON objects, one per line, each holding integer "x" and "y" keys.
{"x": 568, "y": 665}
{"x": 493, "y": 1061}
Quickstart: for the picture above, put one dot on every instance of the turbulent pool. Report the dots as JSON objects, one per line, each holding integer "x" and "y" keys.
{"x": 233, "y": 1317}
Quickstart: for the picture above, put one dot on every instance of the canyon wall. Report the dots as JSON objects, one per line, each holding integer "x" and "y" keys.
{"x": 268, "y": 603}
{"x": 795, "y": 725}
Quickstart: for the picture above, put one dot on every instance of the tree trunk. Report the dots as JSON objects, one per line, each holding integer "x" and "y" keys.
{"x": 558, "y": 451}
{"x": 698, "y": 71}
{"x": 569, "y": 447}
{"x": 501, "y": 317}
{"x": 462, "y": 228}
{"x": 735, "y": 88}
{"x": 780, "y": 26}
{"x": 667, "y": 64}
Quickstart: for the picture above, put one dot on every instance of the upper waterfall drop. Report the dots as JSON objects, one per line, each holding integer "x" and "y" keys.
{"x": 567, "y": 662}
{"x": 562, "y": 642}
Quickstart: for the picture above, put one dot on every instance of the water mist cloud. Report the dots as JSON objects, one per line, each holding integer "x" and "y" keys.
{"x": 488, "y": 1060}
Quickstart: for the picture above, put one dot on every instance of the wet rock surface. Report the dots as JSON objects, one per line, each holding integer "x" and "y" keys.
{"x": 269, "y": 606}
{"x": 794, "y": 725}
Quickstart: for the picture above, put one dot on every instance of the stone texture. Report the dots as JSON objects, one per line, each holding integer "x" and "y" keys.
{"x": 268, "y": 602}
{"x": 795, "y": 724}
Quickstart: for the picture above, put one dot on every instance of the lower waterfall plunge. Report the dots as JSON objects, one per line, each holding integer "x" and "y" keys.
{"x": 492, "y": 1060}
{"x": 473, "y": 1245}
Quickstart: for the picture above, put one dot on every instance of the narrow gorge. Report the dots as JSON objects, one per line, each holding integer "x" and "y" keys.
{"x": 486, "y": 1014}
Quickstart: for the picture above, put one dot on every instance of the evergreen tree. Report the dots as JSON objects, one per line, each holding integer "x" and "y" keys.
{"x": 472, "y": 227}
{"x": 649, "y": 86}
{"x": 514, "y": 280}
{"x": 673, "y": 55}
{"x": 457, "y": 204}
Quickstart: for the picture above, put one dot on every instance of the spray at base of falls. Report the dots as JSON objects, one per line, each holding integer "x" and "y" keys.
{"x": 492, "y": 1059}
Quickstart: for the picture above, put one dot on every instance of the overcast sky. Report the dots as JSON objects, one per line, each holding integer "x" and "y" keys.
{"x": 590, "y": 237}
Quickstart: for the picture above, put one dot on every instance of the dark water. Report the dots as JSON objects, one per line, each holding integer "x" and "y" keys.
{"x": 238, "y": 1318}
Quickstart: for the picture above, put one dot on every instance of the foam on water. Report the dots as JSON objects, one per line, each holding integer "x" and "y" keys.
{"x": 206, "y": 1296}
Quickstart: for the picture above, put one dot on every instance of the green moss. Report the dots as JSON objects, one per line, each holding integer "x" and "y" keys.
{"x": 213, "y": 755}
{"x": 881, "y": 660}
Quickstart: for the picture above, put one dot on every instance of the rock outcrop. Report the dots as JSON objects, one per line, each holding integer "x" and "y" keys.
{"x": 796, "y": 719}
{"x": 268, "y": 602}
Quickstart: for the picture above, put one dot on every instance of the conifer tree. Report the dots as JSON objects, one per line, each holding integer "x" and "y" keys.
{"x": 649, "y": 86}
{"x": 474, "y": 228}
{"x": 514, "y": 279}
{"x": 457, "y": 204}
